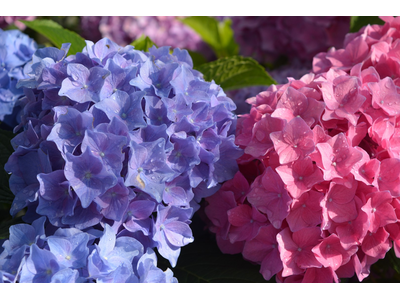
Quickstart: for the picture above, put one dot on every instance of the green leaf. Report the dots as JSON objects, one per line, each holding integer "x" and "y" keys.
{"x": 236, "y": 72}
{"x": 143, "y": 43}
{"x": 219, "y": 35}
{"x": 206, "y": 27}
{"x": 227, "y": 37}
{"x": 203, "y": 262}
{"x": 197, "y": 58}
{"x": 357, "y": 22}
{"x": 56, "y": 34}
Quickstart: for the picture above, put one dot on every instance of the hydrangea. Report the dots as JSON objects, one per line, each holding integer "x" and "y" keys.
{"x": 116, "y": 146}
{"x": 162, "y": 30}
{"x": 295, "y": 38}
{"x": 16, "y": 49}
{"x": 316, "y": 197}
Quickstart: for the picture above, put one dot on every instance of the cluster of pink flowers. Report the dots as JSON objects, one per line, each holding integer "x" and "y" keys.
{"x": 317, "y": 195}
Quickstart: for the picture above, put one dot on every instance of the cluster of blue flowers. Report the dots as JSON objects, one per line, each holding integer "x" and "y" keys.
{"x": 16, "y": 49}
{"x": 116, "y": 149}
{"x": 70, "y": 255}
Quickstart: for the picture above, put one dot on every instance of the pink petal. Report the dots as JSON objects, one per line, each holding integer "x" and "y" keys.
{"x": 239, "y": 215}
{"x": 376, "y": 244}
{"x": 271, "y": 264}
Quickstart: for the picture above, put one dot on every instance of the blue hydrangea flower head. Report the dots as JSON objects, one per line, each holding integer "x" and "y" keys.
{"x": 121, "y": 144}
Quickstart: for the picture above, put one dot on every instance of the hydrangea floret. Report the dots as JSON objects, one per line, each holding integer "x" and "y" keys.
{"x": 115, "y": 150}
{"x": 16, "y": 49}
{"x": 316, "y": 198}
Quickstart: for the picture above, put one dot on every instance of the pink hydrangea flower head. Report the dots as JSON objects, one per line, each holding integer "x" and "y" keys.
{"x": 322, "y": 158}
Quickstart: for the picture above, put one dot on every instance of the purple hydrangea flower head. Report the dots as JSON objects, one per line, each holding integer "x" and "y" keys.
{"x": 163, "y": 30}
{"x": 268, "y": 38}
{"x": 121, "y": 142}
{"x": 16, "y": 49}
